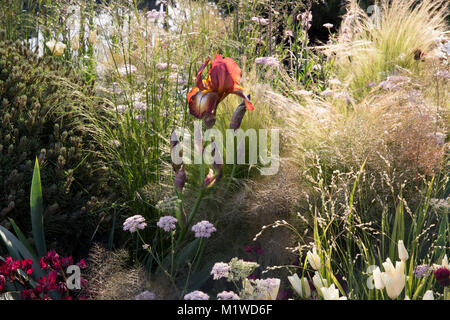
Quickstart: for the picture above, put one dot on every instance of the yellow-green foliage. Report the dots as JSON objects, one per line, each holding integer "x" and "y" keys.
{"x": 371, "y": 47}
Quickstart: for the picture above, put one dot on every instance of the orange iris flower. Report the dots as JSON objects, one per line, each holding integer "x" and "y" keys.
{"x": 224, "y": 77}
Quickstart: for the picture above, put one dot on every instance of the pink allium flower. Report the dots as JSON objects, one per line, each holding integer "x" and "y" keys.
{"x": 196, "y": 295}
{"x": 220, "y": 270}
{"x": 228, "y": 295}
{"x": 146, "y": 295}
{"x": 167, "y": 223}
{"x": 268, "y": 61}
{"x": 133, "y": 223}
{"x": 203, "y": 229}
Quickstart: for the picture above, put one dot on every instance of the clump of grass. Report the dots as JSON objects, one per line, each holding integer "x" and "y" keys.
{"x": 110, "y": 278}
{"x": 369, "y": 49}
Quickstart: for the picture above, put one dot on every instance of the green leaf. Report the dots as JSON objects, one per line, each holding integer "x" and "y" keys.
{"x": 18, "y": 251}
{"x": 36, "y": 211}
{"x": 21, "y": 237}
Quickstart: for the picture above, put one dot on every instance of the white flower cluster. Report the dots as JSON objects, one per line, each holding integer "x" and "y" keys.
{"x": 133, "y": 223}
{"x": 227, "y": 295}
{"x": 196, "y": 295}
{"x": 220, "y": 270}
{"x": 167, "y": 223}
{"x": 203, "y": 229}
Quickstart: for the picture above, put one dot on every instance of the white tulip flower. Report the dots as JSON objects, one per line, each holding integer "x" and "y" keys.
{"x": 319, "y": 282}
{"x": 378, "y": 282}
{"x": 402, "y": 253}
{"x": 428, "y": 295}
{"x": 331, "y": 293}
{"x": 301, "y": 286}
{"x": 393, "y": 278}
{"x": 314, "y": 259}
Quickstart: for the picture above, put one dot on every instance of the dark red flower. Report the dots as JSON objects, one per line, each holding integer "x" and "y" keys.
{"x": 48, "y": 283}
{"x": 27, "y": 266}
{"x": 442, "y": 276}
{"x": 28, "y": 294}
{"x": 51, "y": 260}
{"x": 66, "y": 261}
{"x": 82, "y": 264}
{"x": 61, "y": 287}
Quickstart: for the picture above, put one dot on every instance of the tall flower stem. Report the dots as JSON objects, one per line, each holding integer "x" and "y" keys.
{"x": 191, "y": 216}
{"x": 150, "y": 250}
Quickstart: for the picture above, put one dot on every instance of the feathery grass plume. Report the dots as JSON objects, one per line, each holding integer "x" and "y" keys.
{"x": 110, "y": 278}
{"x": 370, "y": 48}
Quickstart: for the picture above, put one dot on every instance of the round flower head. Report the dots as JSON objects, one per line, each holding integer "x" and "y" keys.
{"x": 196, "y": 295}
{"x": 422, "y": 271}
{"x": 220, "y": 270}
{"x": 203, "y": 229}
{"x": 146, "y": 295}
{"x": 442, "y": 276}
{"x": 133, "y": 223}
{"x": 227, "y": 295}
{"x": 167, "y": 223}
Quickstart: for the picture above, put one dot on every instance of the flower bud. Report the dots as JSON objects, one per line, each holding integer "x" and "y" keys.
{"x": 238, "y": 115}
{"x": 180, "y": 179}
{"x": 402, "y": 253}
{"x": 314, "y": 259}
{"x": 301, "y": 286}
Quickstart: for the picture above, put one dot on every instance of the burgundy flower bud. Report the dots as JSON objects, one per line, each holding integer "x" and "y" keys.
{"x": 180, "y": 179}
{"x": 238, "y": 115}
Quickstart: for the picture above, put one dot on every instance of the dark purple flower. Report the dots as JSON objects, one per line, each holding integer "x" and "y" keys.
{"x": 442, "y": 276}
